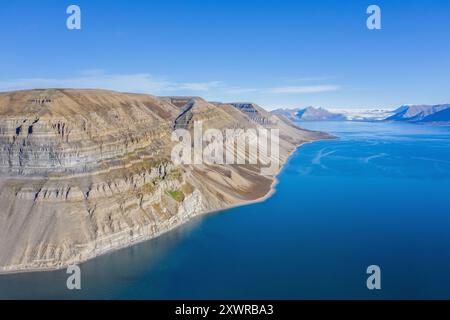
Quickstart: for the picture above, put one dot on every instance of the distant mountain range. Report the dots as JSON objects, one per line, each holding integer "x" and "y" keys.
{"x": 322, "y": 114}
{"x": 436, "y": 114}
{"x": 423, "y": 113}
{"x": 315, "y": 114}
{"x": 310, "y": 114}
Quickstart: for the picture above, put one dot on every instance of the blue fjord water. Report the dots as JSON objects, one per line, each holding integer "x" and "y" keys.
{"x": 378, "y": 195}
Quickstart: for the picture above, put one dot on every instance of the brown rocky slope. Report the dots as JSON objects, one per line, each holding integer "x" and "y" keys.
{"x": 84, "y": 172}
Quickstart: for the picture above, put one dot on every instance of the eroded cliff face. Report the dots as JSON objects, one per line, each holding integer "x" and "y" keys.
{"x": 83, "y": 172}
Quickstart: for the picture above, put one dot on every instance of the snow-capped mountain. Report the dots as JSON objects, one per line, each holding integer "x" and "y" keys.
{"x": 422, "y": 113}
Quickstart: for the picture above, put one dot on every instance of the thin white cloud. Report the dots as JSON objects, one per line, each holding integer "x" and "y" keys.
{"x": 242, "y": 90}
{"x": 98, "y": 79}
{"x": 146, "y": 83}
{"x": 198, "y": 86}
{"x": 285, "y": 90}
{"x": 304, "y": 89}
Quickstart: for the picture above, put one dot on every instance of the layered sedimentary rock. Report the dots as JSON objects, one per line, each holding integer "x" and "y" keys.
{"x": 83, "y": 172}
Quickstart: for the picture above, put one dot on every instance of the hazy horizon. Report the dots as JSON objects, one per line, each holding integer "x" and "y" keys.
{"x": 269, "y": 108}
{"x": 276, "y": 54}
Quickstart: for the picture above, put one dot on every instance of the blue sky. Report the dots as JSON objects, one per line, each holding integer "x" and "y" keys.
{"x": 275, "y": 53}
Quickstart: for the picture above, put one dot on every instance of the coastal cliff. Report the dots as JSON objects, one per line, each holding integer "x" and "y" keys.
{"x": 84, "y": 172}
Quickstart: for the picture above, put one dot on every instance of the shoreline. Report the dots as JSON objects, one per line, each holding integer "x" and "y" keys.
{"x": 269, "y": 194}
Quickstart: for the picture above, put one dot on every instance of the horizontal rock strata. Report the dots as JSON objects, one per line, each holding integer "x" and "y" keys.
{"x": 84, "y": 172}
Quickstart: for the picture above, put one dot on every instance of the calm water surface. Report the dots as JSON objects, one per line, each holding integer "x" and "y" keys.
{"x": 378, "y": 195}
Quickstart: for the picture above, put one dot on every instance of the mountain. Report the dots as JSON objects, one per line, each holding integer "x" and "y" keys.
{"x": 310, "y": 114}
{"x": 440, "y": 117}
{"x": 319, "y": 114}
{"x": 290, "y": 114}
{"x": 422, "y": 113}
{"x": 84, "y": 172}
{"x": 433, "y": 114}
